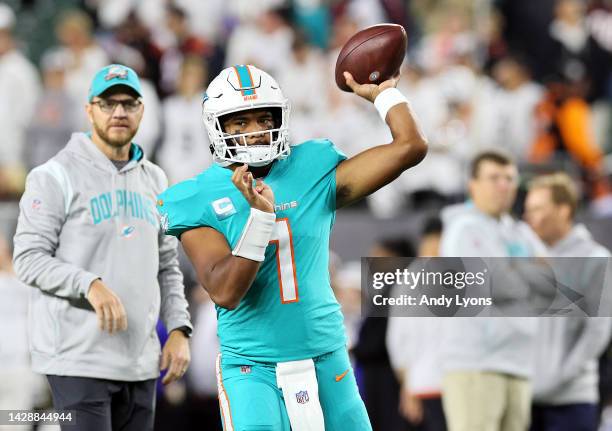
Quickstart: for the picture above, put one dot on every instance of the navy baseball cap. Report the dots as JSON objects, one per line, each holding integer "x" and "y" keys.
{"x": 111, "y": 75}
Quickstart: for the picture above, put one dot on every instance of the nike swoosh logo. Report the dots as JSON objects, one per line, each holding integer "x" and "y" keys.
{"x": 341, "y": 376}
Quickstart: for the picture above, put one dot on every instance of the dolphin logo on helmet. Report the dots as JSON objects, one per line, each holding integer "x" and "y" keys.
{"x": 242, "y": 88}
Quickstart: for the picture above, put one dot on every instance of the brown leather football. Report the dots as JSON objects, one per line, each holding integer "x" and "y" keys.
{"x": 372, "y": 55}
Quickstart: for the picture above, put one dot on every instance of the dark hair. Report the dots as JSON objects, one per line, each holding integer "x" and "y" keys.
{"x": 517, "y": 58}
{"x": 398, "y": 246}
{"x": 432, "y": 226}
{"x": 497, "y": 157}
{"x": 174, "y": 9}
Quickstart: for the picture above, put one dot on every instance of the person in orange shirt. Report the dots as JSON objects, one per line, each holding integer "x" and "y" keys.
{"x": 564, "y": 126}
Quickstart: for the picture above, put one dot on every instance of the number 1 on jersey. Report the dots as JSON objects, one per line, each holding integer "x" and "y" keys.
{"x": 285, "y": 261}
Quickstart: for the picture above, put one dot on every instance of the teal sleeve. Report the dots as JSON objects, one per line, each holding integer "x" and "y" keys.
{"x": 318, "y": 157}
{"x": 181, "y": 208}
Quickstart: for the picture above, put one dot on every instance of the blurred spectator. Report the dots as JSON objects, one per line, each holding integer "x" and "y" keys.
{"x": 569, "y": 31}
{"x": 132, "y": 43}
{"x": 54, "y": 118}
{"x": 84, "y": 57}
{"x": 515, "y": 100}
{"x": 429, "y": 245}
{"x": 247, "y": 10}
{"x": 599, "y": 21}
{"x": 112, "y": 13}
{"x": 19, "y": 91}
{"x": 451, "y": 35}
{"x": 185, "y": 150}
{"x": 264, "y": 42}
{"x": 599, "y": 17}
{"x": 441, "y": 115}
{"x": 414, "y": 350}
{"x": 301, "y": 77}
{"x": 564, "y": 132}
{"x": 185, "y": 44}
{"x": 565, "y": 378}
{"x": 487, "y": 362}
{"x": 366, "y": 12}
{"x": 207, "y": 19}
{"x": 314, "y": 19}
{"x": 491, "y": 35}
{"x": 150, "y": 130}
{"x": 17, "y": 382}
{"x": 501, "y": 111}
{"x": 380, "y": 388}
{"x": 345, "y": 281}
{"x": 527, "y": 31}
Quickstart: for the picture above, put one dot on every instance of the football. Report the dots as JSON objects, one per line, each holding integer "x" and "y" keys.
{"x": 372, "y": 55}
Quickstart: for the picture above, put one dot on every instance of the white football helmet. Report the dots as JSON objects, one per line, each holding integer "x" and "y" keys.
{"x": 240, "y": 88}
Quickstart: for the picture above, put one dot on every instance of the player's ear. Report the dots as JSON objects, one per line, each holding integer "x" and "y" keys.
{"x": 471, "y": 186}
{"x": 89, "y": 112}
{"x": 565, "y": 211}
{"x": 141, "y": 113}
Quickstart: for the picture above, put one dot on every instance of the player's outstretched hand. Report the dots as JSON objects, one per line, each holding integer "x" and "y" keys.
{"x": 108, "y": 307}
{"x": 369, "y": 91}
{"x": 259, "y": 196}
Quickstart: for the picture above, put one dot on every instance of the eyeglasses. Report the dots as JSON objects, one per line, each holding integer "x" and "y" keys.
{"x": 108, "y": 106}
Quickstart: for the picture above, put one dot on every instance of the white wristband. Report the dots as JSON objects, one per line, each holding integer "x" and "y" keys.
{"x": 255, "y": 235}
{"x": 386, "y": 100}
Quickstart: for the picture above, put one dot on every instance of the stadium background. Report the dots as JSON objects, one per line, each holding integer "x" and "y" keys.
{"x": 478, "y": 73}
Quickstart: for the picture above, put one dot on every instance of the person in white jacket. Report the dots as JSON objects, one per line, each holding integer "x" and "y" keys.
{"x": 19, "y": 92}
{"x": 102, "y": 272}
{"x": 487, "y": 362}
{"x": 566, "y": 377}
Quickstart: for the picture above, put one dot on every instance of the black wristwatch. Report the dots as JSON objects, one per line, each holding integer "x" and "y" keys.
{"x": 185, "y": 330}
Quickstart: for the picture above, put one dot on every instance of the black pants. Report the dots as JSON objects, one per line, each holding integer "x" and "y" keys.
{"x": 381, "y": 397}
{"x": 433, "y": 416}
{"x": 568, "y": 417}
{"x": 105, "y": 405}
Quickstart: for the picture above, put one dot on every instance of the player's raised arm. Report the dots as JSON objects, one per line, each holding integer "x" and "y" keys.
{"x": 373, "y": 168}
{"x": 227, "y": 274}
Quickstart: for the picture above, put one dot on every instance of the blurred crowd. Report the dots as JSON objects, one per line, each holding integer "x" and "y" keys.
{"x": 530, "y": 78}
{"x": 534, "y": 81}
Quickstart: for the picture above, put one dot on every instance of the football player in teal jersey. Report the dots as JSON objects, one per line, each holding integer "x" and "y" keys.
{"x": 256, "y": 227}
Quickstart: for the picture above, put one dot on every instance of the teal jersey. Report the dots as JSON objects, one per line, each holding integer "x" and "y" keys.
{"x": 289, "y": 312}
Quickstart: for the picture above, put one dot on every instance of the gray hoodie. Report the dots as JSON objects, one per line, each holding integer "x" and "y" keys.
{"x": 81, "y": 219}
{"x": 568, "y": 347}
{"x": 494, "y": 344}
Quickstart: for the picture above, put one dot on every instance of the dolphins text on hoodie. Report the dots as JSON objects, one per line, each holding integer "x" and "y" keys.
{"x": 82, "y": 219}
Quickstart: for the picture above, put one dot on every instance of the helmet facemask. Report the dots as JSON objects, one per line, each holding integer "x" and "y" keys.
{"x": 227, "y": 96}
{"x": 230, "y": 148}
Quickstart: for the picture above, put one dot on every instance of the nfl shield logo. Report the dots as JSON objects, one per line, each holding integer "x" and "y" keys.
{"x": 302, "y": 397}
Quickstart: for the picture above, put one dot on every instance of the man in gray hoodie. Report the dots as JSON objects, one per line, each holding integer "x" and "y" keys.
{"x": 567, "y": 348}
{"x": 487, "y": 361}
{"x": 89, "y": 243}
